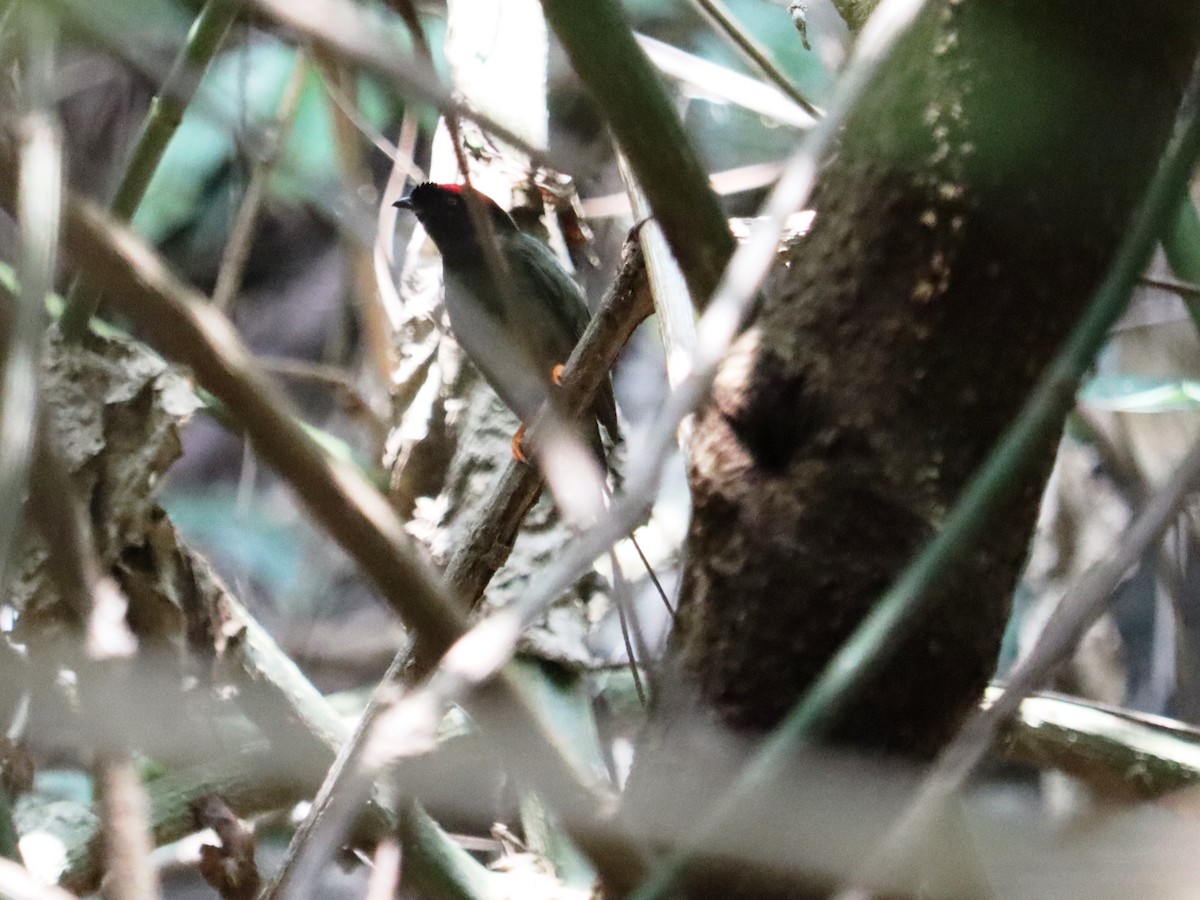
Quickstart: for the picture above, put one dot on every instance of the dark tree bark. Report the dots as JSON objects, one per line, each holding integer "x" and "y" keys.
{"x": 976, "y": 201}
{"x": 977, "y": 198}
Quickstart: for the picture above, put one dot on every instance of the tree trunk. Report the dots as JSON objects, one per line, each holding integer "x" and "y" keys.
{"x": 977, "y": 199}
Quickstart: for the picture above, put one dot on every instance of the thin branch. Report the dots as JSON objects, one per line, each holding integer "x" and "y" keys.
{"x": 39, "y": 210}
{"x": 378, "y": 339}
{"x": 471, "y": 567}
{"x": 1082, "y": 606}
{"x": 599, "y": 42}
{"x": 403, "y": 165}
{"x": 725, "y": 182}
{"x": 488, "y": 543}
{"x": 1189, "y": 290}
{"x": 359, "y": 39}
{"x": 125, "y": 814}
{"x": 719, "y": 82}
{"x": 166, "y": 112}
{"x": 1119, "y": 754}
{"x": 182, "y": 326}
{"x": 723, "y": 21}
{"x": 340, "y": 383}
{"x": 1038, "y": 422}
{"x": 672, "y": 306}
{"x": 241, "y": 235}
{"x": 350, "y": 110}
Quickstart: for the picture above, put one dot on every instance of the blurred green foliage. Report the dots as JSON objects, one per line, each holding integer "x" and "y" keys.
{"x": 244, "y": 85}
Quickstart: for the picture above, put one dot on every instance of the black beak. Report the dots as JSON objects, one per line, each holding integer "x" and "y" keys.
{"x": 403, "y": 203}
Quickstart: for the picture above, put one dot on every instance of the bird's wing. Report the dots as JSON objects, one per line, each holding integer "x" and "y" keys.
{"x": 540, "y": 272}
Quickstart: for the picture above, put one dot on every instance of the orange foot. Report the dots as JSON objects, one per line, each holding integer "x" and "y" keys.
{"x": 518, "y": 448}
{"x": 556, "y": 373}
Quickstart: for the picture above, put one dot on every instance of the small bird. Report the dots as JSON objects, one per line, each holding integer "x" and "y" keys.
{"x": 518, "y": 326}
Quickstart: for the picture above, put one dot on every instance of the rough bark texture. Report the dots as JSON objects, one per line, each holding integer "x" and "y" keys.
{"x": 975, "y": 203}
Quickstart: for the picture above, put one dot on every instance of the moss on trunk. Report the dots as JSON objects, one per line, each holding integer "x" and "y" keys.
{"x": 977, "y": 198}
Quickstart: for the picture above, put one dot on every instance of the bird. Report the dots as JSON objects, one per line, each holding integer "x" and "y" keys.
{"x": 517, "y": 326}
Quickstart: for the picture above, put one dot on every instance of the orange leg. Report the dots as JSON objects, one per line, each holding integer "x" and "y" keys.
{"x": 518, "y": 448}
{"x": 556, "y": 373}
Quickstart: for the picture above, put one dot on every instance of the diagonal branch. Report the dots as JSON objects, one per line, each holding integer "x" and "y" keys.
{"x": 350, "y": 779}
{"x": 623, "y": 309}
{"x": 180, "y": 324}
{"x": 600, "y": 44}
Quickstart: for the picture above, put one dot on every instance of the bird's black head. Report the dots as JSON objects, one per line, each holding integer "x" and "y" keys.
{"x": 444, "y": 211}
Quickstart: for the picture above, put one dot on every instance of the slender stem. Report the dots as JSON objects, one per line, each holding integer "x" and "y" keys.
{"x": 166, "y": 112}
{"x": 757, "y": 55}
{"x": 1079, "y": 609}
{"x": 643, "y": 119}
{"x": 359, "y": 40}
{"x": 473, "y": 563}
{"x": 1038, "y": 423}
{"x": 9, "y": 838}
{"x": 183, "y": 326}
{"x": 378, "y": 341}
{"x": 125, "y": 813}
{"x": 39, "y": 211}
{"x": 241, "y": 236}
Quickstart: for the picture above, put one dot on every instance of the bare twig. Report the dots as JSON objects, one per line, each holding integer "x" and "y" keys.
{"x": 403, "y": 166}
{"x": 744, "y": 43}
{"x": 166, "y": 112}
{"x": 1082, "y": 605}
{"x": 1185, "y": 289}
{"x": 385, "y": 875}
{"x": 597, "y": 38}
{"x": 241, "y": 235}
{"x": 39, "y": 206}
{"x": 359, "y": 40}
{"x": 699, "y": 75}
{"x": 378, "y": 343}
{"x": 472, "y": 565}
{"x": 125, "y": 813}
{"x": 184, "y": 327}
{"x": 350, "y": 110}
{"x": 675, "y": 315}
{"x": 341, "y": 384}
